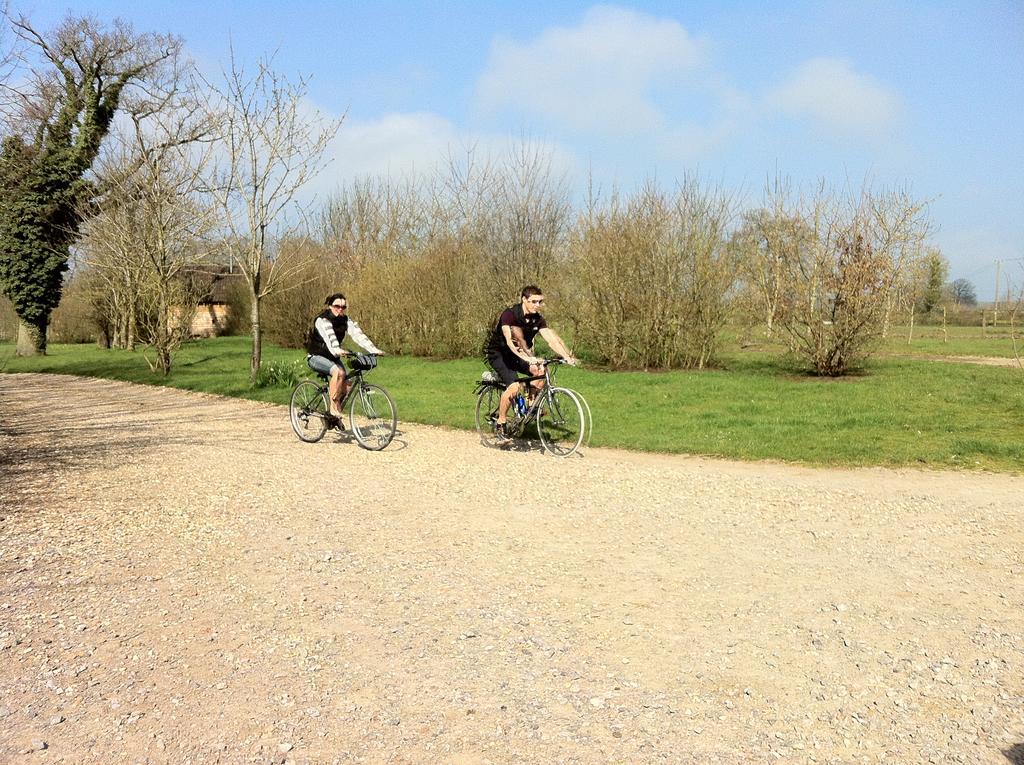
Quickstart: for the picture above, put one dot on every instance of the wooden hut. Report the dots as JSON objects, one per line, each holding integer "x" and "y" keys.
{"x": 213, "y": 312}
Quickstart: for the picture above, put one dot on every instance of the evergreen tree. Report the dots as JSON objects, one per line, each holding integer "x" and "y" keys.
{"x": 75, "y": 85}
{"x": 936, "y": 269}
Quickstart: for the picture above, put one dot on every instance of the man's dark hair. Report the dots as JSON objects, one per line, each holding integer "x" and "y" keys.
{"x": 531, "y": 290}
{"x": 332, "y": 298}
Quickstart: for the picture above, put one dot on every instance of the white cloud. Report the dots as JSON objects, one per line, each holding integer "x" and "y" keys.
{"x": 414, "y": 144}
{"x": 690, "y": 142}
{"x": 831, "y": 93}
{"x": 595, "y": 76}
{"x": 396, "y": 145}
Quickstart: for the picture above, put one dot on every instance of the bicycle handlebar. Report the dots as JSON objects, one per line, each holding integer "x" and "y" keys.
{"x": 557, "y": 360}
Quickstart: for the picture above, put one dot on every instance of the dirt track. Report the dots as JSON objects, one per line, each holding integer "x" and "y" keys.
{"x": 181, "y": 580}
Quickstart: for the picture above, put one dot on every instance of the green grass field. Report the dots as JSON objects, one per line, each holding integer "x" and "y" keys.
{"x": 896, "y": 412}
{"x": 925, "y": 341}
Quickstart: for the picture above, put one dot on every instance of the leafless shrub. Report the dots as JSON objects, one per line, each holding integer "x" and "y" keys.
{"x": 654, "y": 273}
{"x": 427, "y": 264}
{"x": 288, "y": 312}
{"x": 839, "y": 281}
{"x": 374, "y": 232}
{"x": 73, "y": 320}
{"x": 236, "y": 295}
{"x": 1016, "y": 316}
{"x": 765, "y": 239}
{"x": 523, "y": 222}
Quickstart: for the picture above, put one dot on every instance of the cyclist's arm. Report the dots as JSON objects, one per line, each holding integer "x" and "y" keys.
{"x": 510, "y": 341}
{"x": 551, "y": 338}
{"x": 359, "y": 338}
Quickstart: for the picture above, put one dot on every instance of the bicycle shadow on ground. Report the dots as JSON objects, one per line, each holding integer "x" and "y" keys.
{"x": 1015, "y": 754}
{"x": 346, "y": 437}
{"x": 521, "y": 446}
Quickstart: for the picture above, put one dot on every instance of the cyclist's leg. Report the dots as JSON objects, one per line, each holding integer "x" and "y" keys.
{"x": 339, "y": 388}
{"x": 505, "y": 402}
{"x": 335, "y": 373}
{"x": 507, "y": 366}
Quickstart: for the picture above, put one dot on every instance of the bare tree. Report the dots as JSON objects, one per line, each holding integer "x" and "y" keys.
{"x": 838, "y": 289}
{"x": 8, "y": 54}
{"x": 114, "y": 269}
{"x": 528, "y": 220}
{"x": 1016, "y": 314}
{"x": 153, "y": 219}
{"x": 273, "y": 145}
{"x": 963, "y": 292}
{"x": 767, "y": 237}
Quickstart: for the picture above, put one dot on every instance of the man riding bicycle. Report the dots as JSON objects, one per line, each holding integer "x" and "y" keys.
{"x": 510, "y": 347}
{"x": 324, "y": 347}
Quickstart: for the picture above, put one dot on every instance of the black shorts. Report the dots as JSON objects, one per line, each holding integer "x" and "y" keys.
{"x": 508, "y": 366}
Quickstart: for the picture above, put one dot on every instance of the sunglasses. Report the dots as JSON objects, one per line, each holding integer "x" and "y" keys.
{"x": 536, "y": 302}
{"x": 339, "y": 305}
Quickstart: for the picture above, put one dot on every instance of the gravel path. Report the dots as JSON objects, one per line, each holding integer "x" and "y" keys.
{"x": 183, "y": 581}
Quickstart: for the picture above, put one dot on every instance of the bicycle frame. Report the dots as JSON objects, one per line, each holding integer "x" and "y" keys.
{"x": 516, "y": 422}
{"x": 356, "y": 382}
{"x": 355, "y": 378}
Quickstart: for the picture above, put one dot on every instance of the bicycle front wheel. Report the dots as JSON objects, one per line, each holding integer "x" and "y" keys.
{"x": 588, "y": 428}
{"x": 560, "y": 422}
{"x": 308, "y": 411}
{"x": 372, "y": 416}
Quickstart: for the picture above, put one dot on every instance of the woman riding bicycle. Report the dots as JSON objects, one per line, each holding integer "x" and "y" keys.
{"x": 324, "y": 347}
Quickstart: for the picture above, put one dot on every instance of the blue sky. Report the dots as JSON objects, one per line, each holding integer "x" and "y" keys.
{"x": 926, "y": 95}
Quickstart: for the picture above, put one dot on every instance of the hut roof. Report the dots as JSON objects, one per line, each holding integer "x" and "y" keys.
{"x": 216, "y": 282}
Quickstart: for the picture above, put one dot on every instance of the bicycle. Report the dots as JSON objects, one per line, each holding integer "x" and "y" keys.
{"x": 556, "y": 413}
{"x": 371, "y": 410}
{"x": 588, "y": 418}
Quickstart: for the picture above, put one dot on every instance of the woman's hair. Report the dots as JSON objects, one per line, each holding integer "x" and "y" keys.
{"x": 332, "y": 298}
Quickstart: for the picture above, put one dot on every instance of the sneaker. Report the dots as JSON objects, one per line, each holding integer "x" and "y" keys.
{"x": 501, "y": 432}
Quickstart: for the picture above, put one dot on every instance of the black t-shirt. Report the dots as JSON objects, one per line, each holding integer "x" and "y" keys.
{"x": 514, "y": 316}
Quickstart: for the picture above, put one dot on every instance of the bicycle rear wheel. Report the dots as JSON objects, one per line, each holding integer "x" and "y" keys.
{"x": 372, "y": 416}
{"x": 560, "y": 422}
{"x": 308, "y": 411}
{"x": 486, "y": 413}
